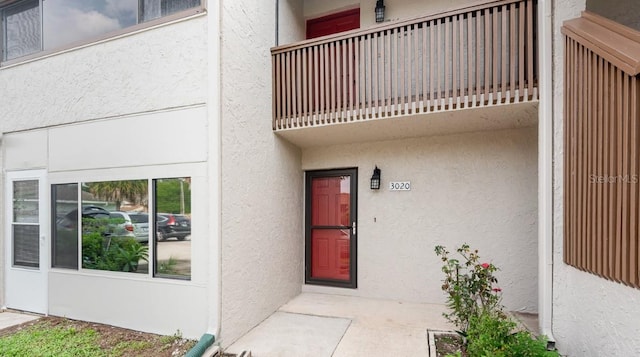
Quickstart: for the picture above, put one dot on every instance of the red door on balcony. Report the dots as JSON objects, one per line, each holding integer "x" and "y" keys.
{"x": 334, "y": 23}
{"x": 331, "y": 227}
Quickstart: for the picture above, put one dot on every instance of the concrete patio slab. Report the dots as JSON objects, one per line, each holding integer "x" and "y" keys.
{"x": 305, "y": 326}
{"x": 9, "y": 319}
{"x": 286, "y": 334}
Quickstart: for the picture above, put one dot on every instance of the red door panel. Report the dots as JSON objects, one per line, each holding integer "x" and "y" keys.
{"x": 334, "y": 23}
{"x": 330, "y": 254}
{"x": 330, "y": 200}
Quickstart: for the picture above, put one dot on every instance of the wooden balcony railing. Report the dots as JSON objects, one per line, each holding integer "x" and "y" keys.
{"x": 474, "y": 56}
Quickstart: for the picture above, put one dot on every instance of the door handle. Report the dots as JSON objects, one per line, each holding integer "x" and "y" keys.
{"x": 353, "y": 228}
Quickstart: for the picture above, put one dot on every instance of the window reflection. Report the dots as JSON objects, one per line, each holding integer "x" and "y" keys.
{"x": 65, "y": 231}
{"x": 68, "y": 21}
{"x": 116, "y": 226}
{"x": 109, "y": 239}
{"x": 173, "y": 227}
{"x": 25, "y": 29}
{"x": 21, "y": 29}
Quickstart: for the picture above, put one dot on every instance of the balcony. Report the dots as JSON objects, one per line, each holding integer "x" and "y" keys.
{"x": 412, "y": 76}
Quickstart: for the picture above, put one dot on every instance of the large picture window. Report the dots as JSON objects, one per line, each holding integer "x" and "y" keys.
{"x": 31, "y": 26}
{"x": 109, "y": 225}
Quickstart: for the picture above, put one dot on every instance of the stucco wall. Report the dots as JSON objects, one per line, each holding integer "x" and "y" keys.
{"x": 292, "y": 23}
{"x": 478, "y": 188}
{"x": 394, "y": 9}
{"x": 157, "y": 68}
{"x": 261, "y": 185}
{"x": 591, "y": 316}
{"x": 626, "y": 12}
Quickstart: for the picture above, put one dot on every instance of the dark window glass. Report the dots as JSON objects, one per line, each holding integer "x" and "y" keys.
{"x": 65, "y": 226}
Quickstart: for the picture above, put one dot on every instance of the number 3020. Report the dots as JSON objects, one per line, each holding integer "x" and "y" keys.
{"x": 400, "y": 186}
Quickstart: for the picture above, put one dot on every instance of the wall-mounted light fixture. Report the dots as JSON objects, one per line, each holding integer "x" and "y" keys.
{"x": 380, "y": 11}
{"x": 375, "y": 179}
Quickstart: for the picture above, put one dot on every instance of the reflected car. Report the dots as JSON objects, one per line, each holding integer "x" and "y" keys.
{"x": 131, "y": 224}
{"x": 70, "y": 220}
{"x": 171, "y": 225}
{"x": 140, "y": 221}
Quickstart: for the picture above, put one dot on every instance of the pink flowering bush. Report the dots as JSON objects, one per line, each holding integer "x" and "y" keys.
{"x": 469, "y": 286}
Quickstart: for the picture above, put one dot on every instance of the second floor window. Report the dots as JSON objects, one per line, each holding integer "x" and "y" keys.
{"x": 31, "y": 26}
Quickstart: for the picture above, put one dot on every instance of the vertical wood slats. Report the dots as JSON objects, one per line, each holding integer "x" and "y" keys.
{"x": 601, "y": 166}
{"x": 476, "y": 56}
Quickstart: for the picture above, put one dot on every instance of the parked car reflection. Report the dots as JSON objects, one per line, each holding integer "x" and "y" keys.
{"x": 171, "y": 225}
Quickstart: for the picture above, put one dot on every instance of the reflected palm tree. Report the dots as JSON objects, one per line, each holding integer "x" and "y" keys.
{"x": 134, "y": 191}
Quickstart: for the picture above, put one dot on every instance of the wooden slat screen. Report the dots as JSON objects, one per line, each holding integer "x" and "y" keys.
{"x": 479, "y": 55}
{"x": 602, "y": 150}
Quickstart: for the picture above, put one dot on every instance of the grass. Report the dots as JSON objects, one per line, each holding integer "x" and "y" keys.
{"x": 45, "y": 340}
{"x": 59, "y": 337}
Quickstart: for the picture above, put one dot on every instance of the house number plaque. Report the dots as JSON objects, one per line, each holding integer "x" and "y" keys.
{"x": 400, "y": 186}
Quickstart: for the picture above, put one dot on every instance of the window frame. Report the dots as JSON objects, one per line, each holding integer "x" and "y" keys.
{"x": 184, "y": 15}
{"x": 152, "y": 273}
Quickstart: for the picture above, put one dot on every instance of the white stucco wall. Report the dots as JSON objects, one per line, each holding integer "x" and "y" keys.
{"x": 163, "y": 67}
{"x": 394, "y": 9}
{"x": 592, "y": 317}
{"x": 478, "y": 188}
{"x": 261, "y": 185}
{"x": 291, "y": 27}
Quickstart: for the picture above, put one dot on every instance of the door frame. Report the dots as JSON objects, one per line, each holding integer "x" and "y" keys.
{"x": 353, "y": 247}
{"x": 18, "y": 294}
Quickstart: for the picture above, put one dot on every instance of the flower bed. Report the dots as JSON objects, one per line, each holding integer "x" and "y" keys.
{"x": 476, "y": 310}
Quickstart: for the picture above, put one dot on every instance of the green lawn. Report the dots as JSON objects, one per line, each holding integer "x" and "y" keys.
{"x": 57, "y": 337}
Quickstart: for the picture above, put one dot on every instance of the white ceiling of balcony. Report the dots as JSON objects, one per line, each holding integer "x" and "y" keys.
{"x": 410, "y": 126}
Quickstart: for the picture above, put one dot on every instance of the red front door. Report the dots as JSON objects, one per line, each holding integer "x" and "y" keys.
{"x": 331, "y": 227}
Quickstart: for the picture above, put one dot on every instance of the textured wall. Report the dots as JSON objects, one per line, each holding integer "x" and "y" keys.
{"x": 626, "y": 12}
{"x": 155, "y": 69}
{"x": 394, "y": 9}
{"x": 478, "y": 188}
{"x": 591, "y": 316}
{"x": 261, "y": 176}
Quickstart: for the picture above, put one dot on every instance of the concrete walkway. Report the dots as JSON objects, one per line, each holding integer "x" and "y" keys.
{"x": 342, "y": 326}
{"x": 9, "y": 319}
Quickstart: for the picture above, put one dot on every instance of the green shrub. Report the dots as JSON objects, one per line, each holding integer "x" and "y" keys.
{"x": 488, "y": 333}
{"x": 476, "y": 310}
{"x": 469, "y": 286}
{"x": 112, "y": 253}
{"x": 491, "y": 335}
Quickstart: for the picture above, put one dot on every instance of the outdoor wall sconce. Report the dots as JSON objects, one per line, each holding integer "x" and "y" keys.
{"x": 380, "y": 11}
{"x": 375, "y": 179}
